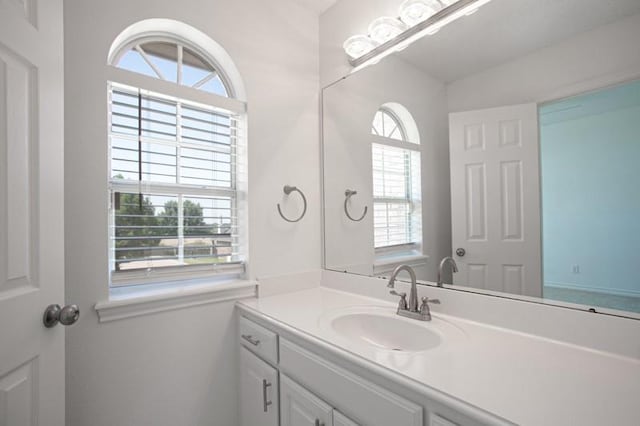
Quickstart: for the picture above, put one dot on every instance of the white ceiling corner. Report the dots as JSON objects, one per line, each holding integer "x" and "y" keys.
{"x": 318, "y": 6}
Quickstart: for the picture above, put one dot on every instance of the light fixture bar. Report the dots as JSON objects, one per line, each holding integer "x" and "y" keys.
{"x": 429, "y": 26}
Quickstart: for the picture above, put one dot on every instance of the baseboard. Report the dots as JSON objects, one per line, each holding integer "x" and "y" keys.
{"x": 593, "y": 289}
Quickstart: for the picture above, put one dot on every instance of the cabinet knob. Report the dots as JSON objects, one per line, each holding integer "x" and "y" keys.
{"x": 249, "y": 338}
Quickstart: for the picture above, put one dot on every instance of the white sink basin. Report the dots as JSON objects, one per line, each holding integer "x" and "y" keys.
{"x": 386, "y": 332}
{"x": 380, "y": 328}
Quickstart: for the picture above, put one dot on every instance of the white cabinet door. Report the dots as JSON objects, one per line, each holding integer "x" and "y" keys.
{"x": 32, "y": 369}
{"x": 495, "y": 198}
{"x": 301, "y": 408}
{"x": 340, "y": 420}
{"x": 258, "y": 391}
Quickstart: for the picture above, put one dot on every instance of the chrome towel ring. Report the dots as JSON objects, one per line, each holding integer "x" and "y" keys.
{"x": 288, "y": 190}
{"x": 348, "y": 194}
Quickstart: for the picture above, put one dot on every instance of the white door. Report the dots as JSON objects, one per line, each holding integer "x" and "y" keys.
{"x": 340, "y": 419}
{"x": 495, "y": 199}
{"x": 258, "y": 391}
{"x": 299, "y": 407}
{"x": 32, "y": 368}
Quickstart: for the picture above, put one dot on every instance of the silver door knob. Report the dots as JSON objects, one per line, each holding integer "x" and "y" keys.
{"x": 461, "y": 252}
{"x": 54, "y": 314}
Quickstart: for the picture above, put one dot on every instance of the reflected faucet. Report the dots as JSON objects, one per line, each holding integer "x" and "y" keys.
{"x": 454, "y": 268}
{"x": 411, "y": 309}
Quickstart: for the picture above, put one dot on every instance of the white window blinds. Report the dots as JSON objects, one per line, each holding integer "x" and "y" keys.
{"x": 396, "y": 196}
{"x": 173, "y": 185}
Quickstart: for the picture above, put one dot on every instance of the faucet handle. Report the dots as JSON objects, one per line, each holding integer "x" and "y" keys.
{"x": 402, "y": 304}
{"x": 424, "y": 308}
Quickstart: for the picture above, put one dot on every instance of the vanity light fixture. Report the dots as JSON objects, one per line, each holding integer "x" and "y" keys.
{"x": 412, "y": 12}
{"x": 359, "y": 45}
{"x": 385, "y": 28}
{"x": 418, "y": 16}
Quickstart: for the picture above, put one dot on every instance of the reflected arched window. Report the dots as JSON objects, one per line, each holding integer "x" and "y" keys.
{"x": 386, "y": 124}
{"x": 397, "y": 195}
{"x": 176, "y": 156}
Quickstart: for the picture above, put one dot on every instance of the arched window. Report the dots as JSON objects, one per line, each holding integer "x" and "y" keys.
{"x": 162, "y": 58}
{"x": 397, "y": 195}
{"x": 176, "y": 149}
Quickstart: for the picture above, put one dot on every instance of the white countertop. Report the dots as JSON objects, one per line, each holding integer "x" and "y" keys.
{"x": 525, "y": 379}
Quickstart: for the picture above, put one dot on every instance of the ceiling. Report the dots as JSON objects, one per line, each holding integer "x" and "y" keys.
{"x": 318, "y": 6}
{"x": 504, "y": 30}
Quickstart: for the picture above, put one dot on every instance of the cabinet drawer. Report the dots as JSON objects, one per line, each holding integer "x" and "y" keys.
{"x": 359, "y": 399}
{"x": 259, "y": 340}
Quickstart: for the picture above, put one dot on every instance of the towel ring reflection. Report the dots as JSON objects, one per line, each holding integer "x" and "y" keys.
{"x": 348, "y": 194}
{"x": 288, "y": 190}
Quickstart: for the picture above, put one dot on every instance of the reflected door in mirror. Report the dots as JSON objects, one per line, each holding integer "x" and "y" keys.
{"x": 495, "y": 198}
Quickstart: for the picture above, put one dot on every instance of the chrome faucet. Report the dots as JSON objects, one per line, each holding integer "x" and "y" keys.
{"x": 454, "y": 268}
{"x": 410, "y": 309}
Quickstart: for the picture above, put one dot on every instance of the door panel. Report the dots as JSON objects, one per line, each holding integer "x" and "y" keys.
{"x": 258, "y": 390}
{"x": 299, "y": 407}
{"x": 17, "y": 394}
{"x": 495, "y": 198}
{"x": 31, "y": 211}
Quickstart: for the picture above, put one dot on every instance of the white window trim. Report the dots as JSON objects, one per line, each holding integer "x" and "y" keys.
{"x": 385, "y": 265}
{"x": 151, "y": 299}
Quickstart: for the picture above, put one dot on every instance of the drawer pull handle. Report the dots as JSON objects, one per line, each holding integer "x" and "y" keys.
{"x": 265, "y": 403}
{"x": 249, "y": 338}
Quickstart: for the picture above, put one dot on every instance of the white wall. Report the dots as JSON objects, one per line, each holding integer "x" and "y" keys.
{"x": 589, "y": 155}
{"x": 178, "y": 367}
{"x": 591, "y": 60}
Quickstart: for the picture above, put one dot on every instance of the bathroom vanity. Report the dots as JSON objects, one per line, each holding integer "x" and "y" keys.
{"x": 292, "y": 378}
{"x": 327, "y": 357}
{"x": 497, "y": 158}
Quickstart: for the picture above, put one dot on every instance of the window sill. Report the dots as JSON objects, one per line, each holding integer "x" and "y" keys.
{"x": 389, "y": 263}
{"x": 127, "y": 302}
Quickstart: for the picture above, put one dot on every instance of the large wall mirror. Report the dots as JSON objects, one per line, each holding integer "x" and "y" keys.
{"x": 509, "y": 141}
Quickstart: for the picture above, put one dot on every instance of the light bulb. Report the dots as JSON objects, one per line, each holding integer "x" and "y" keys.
{"x": 358, "y": 45}
{"x": 384, "y": 29}
{"x": 413, "y": 12}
